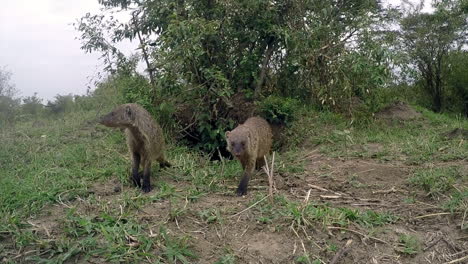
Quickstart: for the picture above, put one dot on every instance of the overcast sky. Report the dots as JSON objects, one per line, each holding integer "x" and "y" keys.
{"x": 38, "y": 46}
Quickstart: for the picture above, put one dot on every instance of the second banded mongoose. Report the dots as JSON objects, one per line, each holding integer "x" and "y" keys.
{"x": 249, "y": 143}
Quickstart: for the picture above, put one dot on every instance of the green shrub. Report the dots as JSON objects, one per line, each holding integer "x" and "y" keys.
{"x": 279, "y": 110}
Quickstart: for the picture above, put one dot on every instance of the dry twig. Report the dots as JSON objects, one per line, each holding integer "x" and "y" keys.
{"x": 342, "y": 251}
{"x": 429, "y": 215}
{"x": 248, "y": 208}
{"x": 359, "y": 233}
{"x": 269, "y": 171}
{"x": 457, "y": 260}
{"x": 385, "y": 191}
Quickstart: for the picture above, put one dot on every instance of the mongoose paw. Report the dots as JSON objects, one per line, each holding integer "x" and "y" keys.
{"x": 241, "y": 191}
{"x": 146, "y": 188}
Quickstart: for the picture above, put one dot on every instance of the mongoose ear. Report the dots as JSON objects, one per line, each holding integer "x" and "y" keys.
{"x": 227, "y": 133}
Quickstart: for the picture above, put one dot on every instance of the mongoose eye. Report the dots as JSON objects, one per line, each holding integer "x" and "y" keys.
{"x": 243, "y": 143}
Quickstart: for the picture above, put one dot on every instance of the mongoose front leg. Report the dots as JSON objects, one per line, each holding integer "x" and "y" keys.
{"x": 248, "y": 171}
{"x": 146, "y": 178}
{"x": 135, "y": 166}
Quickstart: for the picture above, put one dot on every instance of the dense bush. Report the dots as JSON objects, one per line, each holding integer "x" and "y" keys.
{"x": 61, "y": 104}
{"x": 207, "y": 52}
{"x": 200, "y": 55}
{"x": 32, "y": 106}
{"x": 279, "y": 110}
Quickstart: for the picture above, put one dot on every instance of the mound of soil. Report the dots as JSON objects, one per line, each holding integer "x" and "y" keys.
{"x": 242, "y": 108}
{"x": 398, "y": 111}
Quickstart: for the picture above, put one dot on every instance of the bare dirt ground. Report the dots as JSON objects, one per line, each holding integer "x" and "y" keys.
{"x": 352, "y": 183}
{"x": 233, "y": 227}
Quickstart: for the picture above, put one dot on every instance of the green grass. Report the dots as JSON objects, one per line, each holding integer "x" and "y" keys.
{"x": 412, "y": 142}
{"x": 436, "y": 181}
{"x": 409, "y": 244}
{"x": 295, "y": 214}
{"x": 60, "y": 164}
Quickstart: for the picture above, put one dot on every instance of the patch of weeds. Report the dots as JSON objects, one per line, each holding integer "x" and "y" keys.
{"x": 305, "y": 259}
{"x": 332, "y": 247}
{"x": 174, "y": 249}
{"x": 59, "y": 252}
{"x": 289, "y": 163}
{"x": 458, "y": 201}
{"x": 366, "y": 218}
{"x": 211, "y": 215}
{"x": 114, "y": 238}
{"x": 307, "y": 215}
{"x": 353, "y": 181}
{"x": 435, "y": 180}
{"x": 193, "y": 194}
{"x": 12, "y": 226}
{"x": 267, "y": 212}
{"x": 409, "y": 244}
{"x": 226, "y": 259}
{"x": 176, "y": 211}
{"x": 164, "y": 191}
{"x": 265, "y": 219}
{"x": 409, "y": 200}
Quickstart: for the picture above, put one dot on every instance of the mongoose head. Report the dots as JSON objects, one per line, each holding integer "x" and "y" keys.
{"x": 237, "y": 142}
{"x": 122, "y": 116}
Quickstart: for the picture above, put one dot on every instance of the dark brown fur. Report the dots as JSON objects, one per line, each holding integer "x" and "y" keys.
{"x": 145, "y": 139}
{"x": 249, "y": 143}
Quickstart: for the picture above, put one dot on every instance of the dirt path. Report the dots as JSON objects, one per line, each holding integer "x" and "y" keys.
{"x": 222, "y": 224}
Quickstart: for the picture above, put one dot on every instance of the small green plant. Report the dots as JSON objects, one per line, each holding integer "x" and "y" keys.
{"x": 332, "y": 247}
{"x": 226, "y": 259}
{"x": 435, "y": 181}
{"x": 307, "y": 215}
{"x": 210, "y": 216}
{"x": 409, "y": 244}
{"x": 305, "y": 259}
{"x": 279, "y": 110}
{"x": 176, "y": 250}
{"x": 458, "y": 201}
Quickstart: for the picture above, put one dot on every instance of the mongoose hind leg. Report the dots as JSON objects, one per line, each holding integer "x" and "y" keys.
{"x": 260, "y": 163}
{"x": 146, "y": 187}
{"x": 136, "y": 176}
{"x": 163, "y": 163}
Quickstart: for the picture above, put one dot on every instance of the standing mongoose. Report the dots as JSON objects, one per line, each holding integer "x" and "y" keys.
{"x": 249, "y": 143}
{"x": 145, "y": 139}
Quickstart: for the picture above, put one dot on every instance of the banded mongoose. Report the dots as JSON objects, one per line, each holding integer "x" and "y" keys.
{"x": 145, "y": 140}
{"x": 249, "y": 143}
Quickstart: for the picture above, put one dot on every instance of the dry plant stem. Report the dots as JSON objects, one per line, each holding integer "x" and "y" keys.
{"x": 359, "y": 233}
{"x": 342, "y": 251}
{"x": 429, "y": 215}
{"x": 317, "y": 188}
{"x": 385, "y": 191}
{"x": 269, "y": 171}
{"x": 433, "y": 244}
{"x": 460, "y": 260}
{"x": 300, "y": 239}
{"x": 250, "y": 207}
{"x": 463, "y": 221}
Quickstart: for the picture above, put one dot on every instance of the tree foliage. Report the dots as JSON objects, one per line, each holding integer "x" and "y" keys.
{"x": 199, "y": 55}
{"x": 9, "y": 101}
{"x": 428, "y": 38}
